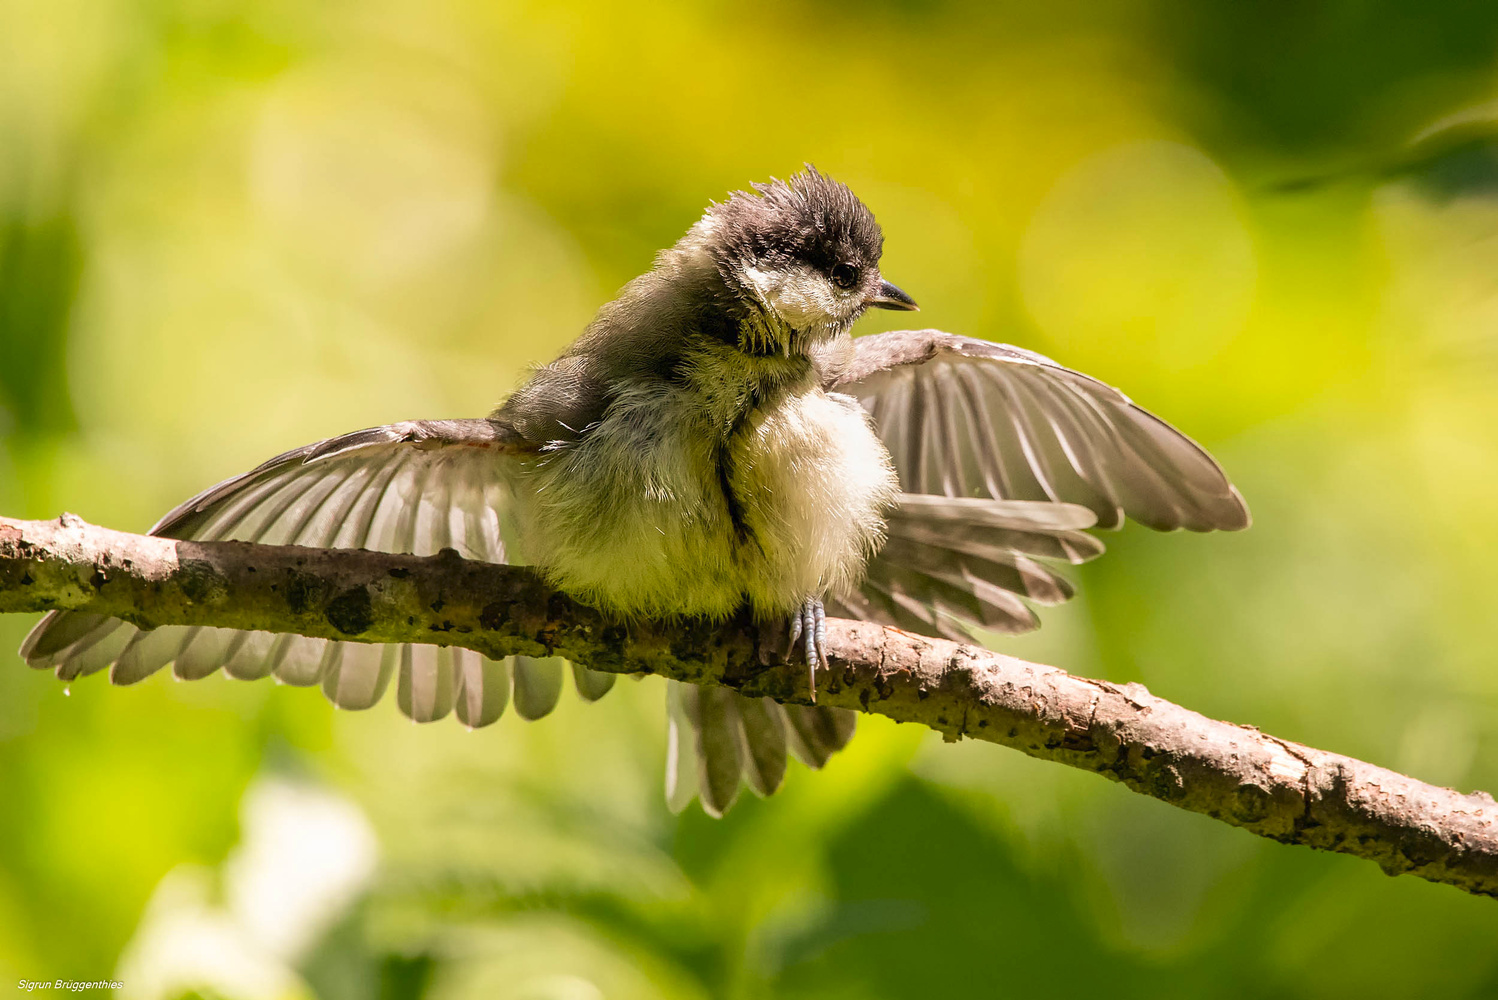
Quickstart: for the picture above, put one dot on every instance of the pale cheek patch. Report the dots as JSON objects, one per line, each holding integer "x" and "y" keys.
{"x": 801, "y": 297}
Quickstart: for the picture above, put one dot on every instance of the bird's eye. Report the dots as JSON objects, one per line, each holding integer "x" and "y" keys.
{"x": 844, "y": 275}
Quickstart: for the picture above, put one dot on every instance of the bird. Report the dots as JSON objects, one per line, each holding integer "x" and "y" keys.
{"x": 714, "y": 440}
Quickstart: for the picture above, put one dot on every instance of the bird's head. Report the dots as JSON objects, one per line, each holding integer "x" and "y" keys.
{"x": 802, "y": 259}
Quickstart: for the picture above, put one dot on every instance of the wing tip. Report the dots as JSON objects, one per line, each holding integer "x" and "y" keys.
{"x": 1245, "y": 516}
{"x": 34, "y": 648}
{"x": 1227, "y": 513}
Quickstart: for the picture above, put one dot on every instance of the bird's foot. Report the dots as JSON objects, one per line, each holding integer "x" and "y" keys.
{"x": 810, "y": 623}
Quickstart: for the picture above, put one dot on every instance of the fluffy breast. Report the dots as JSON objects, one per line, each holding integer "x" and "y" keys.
{"x": 814, "y": 482}
{"x": 660, "y": 510}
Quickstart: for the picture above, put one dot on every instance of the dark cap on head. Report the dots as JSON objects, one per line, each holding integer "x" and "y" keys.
{"x": 810, "y": 219}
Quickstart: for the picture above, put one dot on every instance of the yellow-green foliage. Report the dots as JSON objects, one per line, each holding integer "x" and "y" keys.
{"x": 230, "y": 228}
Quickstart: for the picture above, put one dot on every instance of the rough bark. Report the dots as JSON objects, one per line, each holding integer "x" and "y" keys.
{"x": 1275, "y": 788}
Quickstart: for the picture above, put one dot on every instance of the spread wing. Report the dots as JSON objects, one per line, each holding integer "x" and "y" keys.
{"x": 414, "y": 487}
{"x": 1006, "y": 458}
{"x": 969, "y": 418}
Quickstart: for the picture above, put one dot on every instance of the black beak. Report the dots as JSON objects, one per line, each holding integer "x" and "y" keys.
{"x": 890, "y": 297}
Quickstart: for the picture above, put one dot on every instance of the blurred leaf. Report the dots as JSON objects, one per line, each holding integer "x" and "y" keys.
{"x": 230, "y": 228}
{"x": 40, "y": 263}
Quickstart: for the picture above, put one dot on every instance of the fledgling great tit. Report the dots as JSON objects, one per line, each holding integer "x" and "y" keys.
{"x": 714, "y": 439}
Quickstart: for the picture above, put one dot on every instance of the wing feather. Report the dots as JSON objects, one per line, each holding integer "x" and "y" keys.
{"x": 968, "y": 418}
{"x": 482, "y": 690}
{"x": 953, "y": 564}
{"x": 412, "y": 487}
{"x": 538, "y": 685}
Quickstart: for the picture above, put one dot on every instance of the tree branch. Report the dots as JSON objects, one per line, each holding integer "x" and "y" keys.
{"x": 1271, "y": 787}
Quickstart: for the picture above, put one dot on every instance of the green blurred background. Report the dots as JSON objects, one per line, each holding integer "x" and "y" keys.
{"x": 230, "y": 228}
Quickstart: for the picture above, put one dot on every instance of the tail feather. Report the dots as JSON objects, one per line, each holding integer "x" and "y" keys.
{"x": 764, "y": 743}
